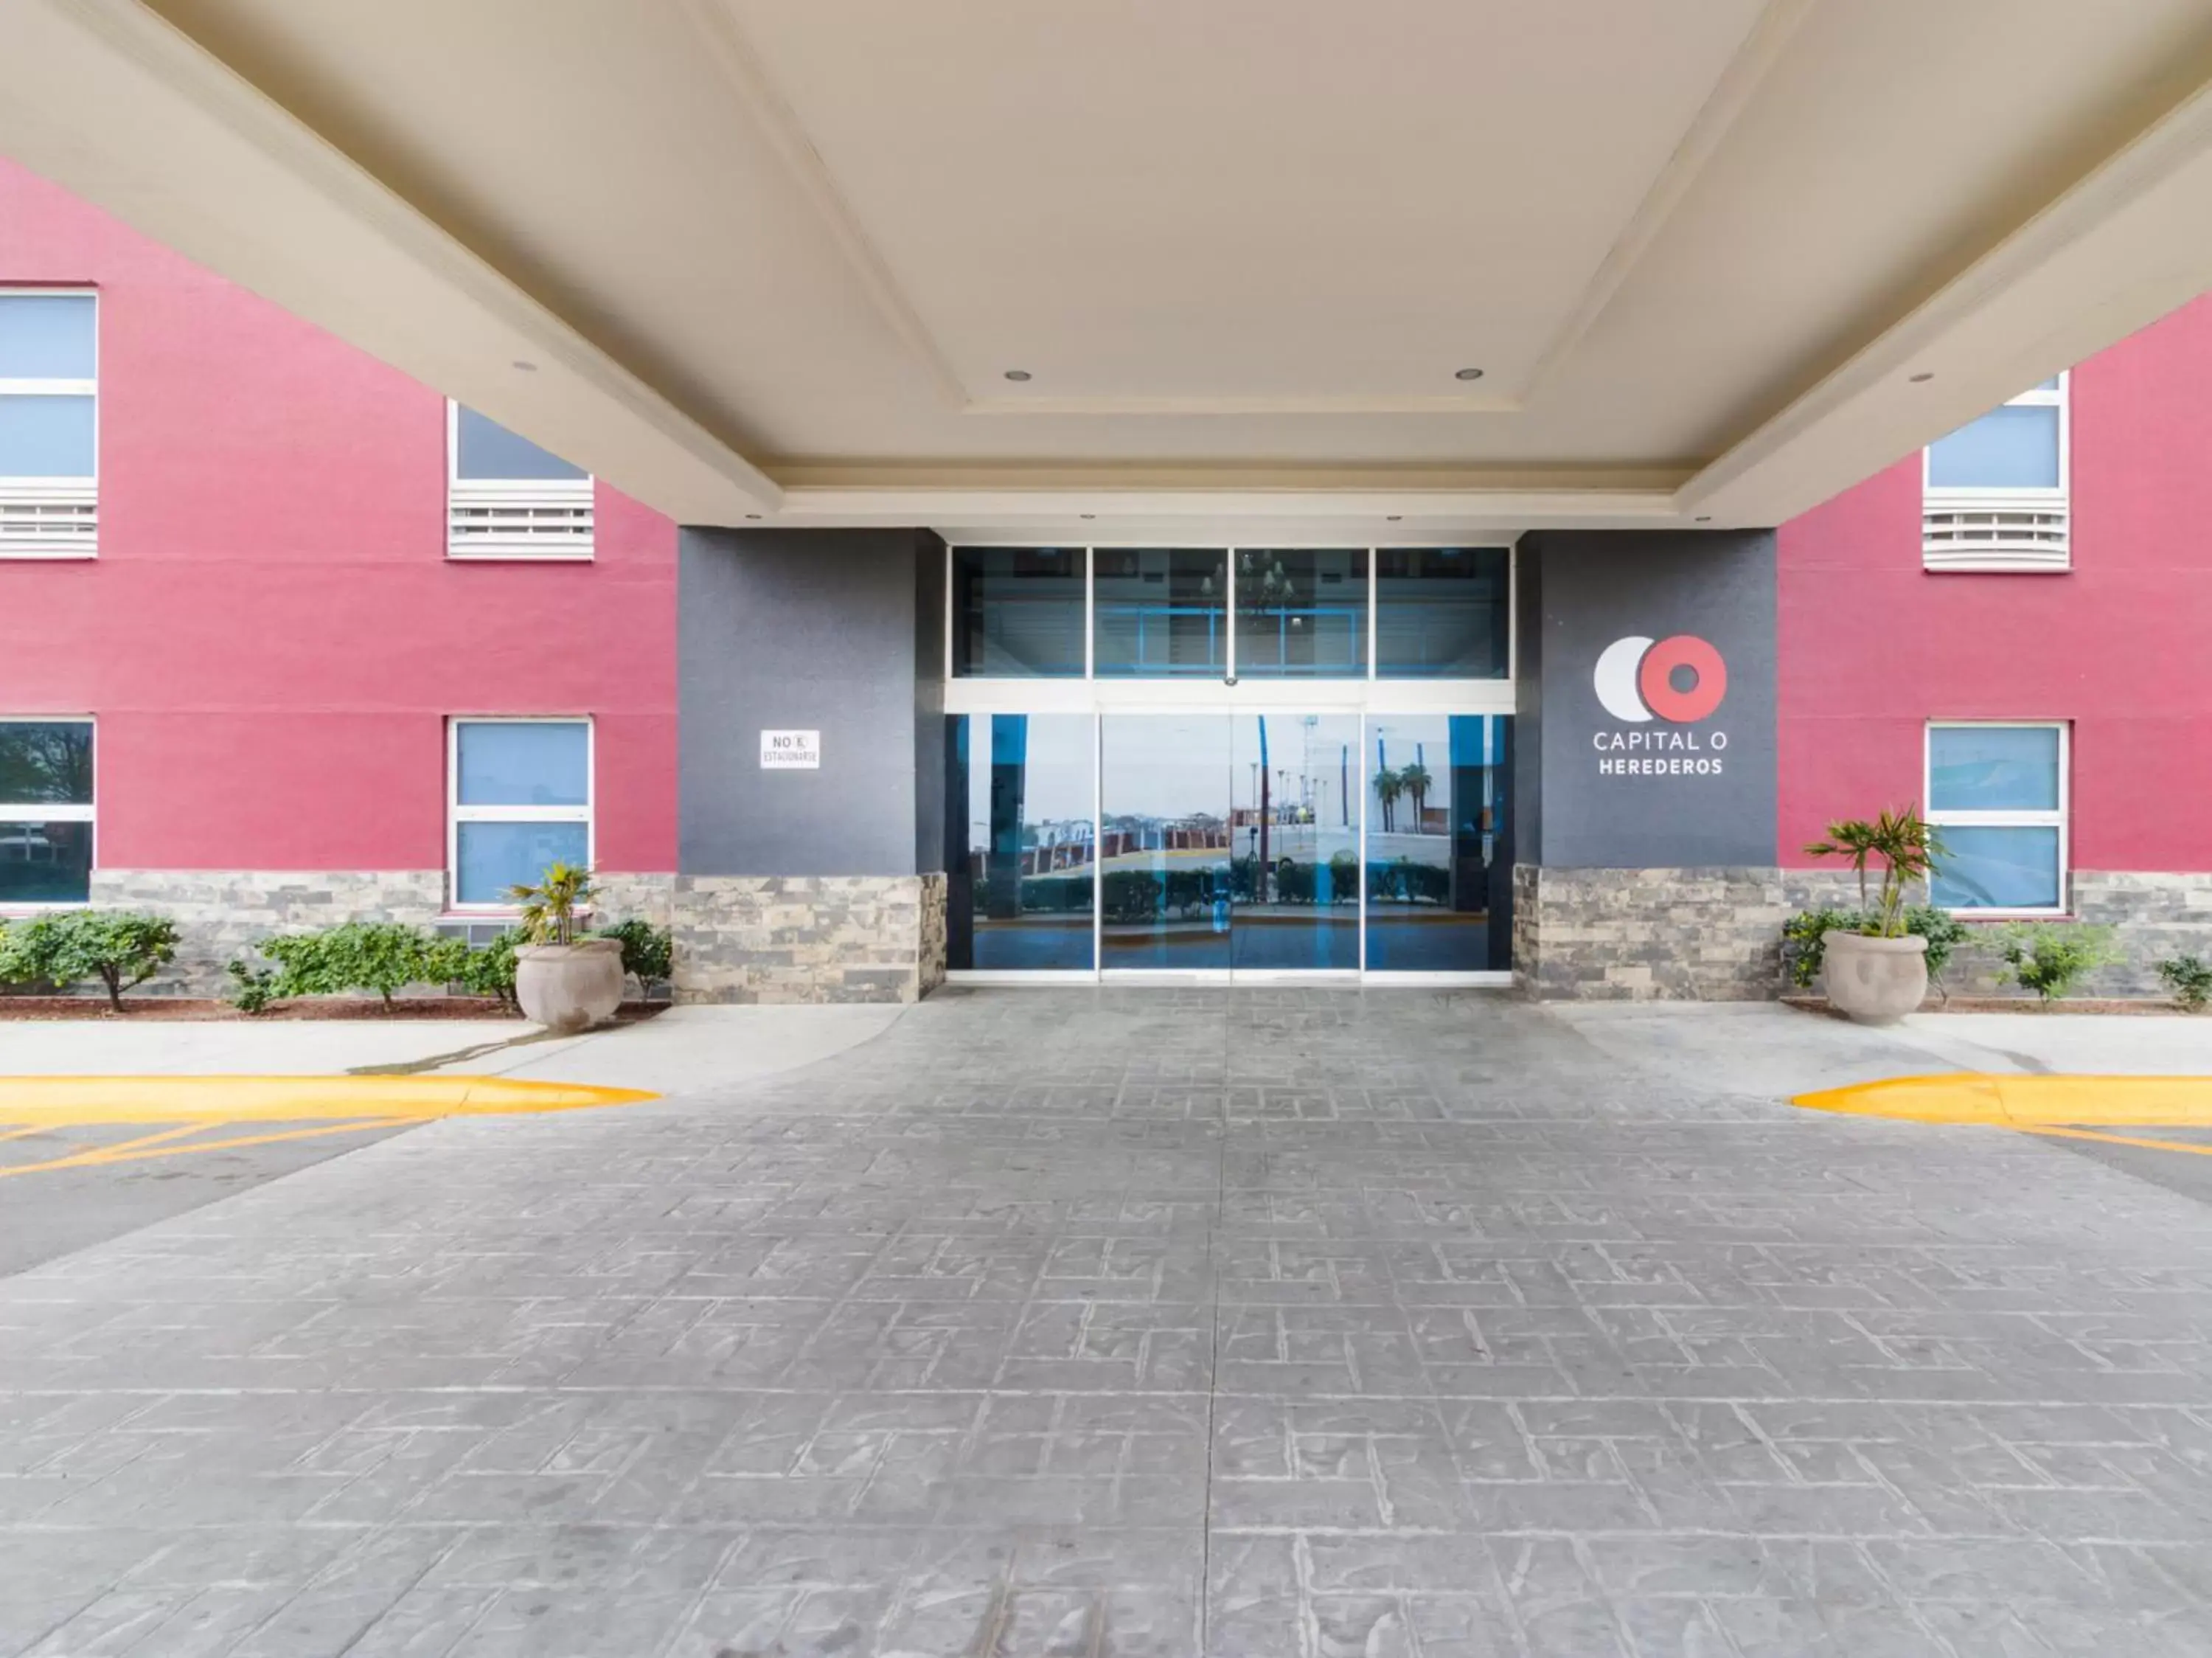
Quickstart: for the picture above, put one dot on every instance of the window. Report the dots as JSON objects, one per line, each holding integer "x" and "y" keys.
{"x": 520, "y": 798}
{"x": 1443, "y": 612}
{"x": 48, "y": 424}
{"x": 1996, "y": 793}
{"x": 1018, "y": 612}
{"x": 1161, "y": 612}
{"x": 1301, "y": 613}
{"x": 46, "y": 812}
{"x": 1995, "y": 491}
{"x": 507, "y": 498}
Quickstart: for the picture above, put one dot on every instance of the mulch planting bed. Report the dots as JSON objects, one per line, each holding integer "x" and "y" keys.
{"x": 196, "y": 1010}
{"x": 2126, "y": 1004}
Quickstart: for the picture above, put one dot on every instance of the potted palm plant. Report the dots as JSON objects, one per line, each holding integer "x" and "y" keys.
{"x": 564, "y": 982}
{"x": 1878, "y": 972}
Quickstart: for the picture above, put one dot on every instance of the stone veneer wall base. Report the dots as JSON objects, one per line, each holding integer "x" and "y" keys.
{"x": 2154, "y": 916}
{"x": 809, "y": 938}
{"x": 221, "y": 913}
{"x": 1647, "y": 934}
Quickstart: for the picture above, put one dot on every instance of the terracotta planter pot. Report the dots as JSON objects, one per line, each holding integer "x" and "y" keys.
{"x": 1877, "y": 981}
{"x": 569, "y": 987}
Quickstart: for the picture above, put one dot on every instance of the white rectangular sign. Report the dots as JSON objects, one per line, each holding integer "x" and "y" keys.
{"x": 791, "y": 751}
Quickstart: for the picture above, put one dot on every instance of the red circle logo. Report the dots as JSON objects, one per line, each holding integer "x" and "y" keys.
{"x": 1655, "y": 679}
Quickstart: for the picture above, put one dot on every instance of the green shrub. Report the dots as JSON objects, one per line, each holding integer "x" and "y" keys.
{"x": 490, "y": 970}
{"x": 383, "y": 956}
{"x": 1804, "y": 935}
{"x": 119, "y": 948}
{"x": 648, "y": 952}
{"x": 2051, "y": 957}
{"x": 2190, "y": 980}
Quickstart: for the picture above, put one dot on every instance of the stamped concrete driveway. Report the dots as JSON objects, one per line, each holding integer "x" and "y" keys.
{"x": 1288, "y": 1323}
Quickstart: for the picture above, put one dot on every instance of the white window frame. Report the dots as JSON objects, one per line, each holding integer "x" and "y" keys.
{"x": 457, "y": 814}
{"x": 54, "y": 517}
{"x": 15, "y": 812}
{"x": 2018, "y": 819}
{"x": 2020, "y": 531}
{"x": 516, "y": 519}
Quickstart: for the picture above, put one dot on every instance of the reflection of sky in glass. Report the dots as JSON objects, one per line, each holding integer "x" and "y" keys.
{"x": 1056, "y": 785}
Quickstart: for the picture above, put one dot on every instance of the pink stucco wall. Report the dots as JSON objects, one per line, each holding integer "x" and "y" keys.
{"x": 1872, "y": 646}
{"x": 272, "y": 637}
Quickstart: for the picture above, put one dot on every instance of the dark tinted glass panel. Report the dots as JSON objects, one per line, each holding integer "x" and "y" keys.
{"x": 485, "y": 448}
{"x": 1439, "y": 845}
{"x": 1441, "y": 612}
{"x": 1161, "y": 610}
{"x": 1024, "y": 875}
{"x": 1997, "y": 868}
{"x": 44, "y": 863}
{"x": 1294, "y": 822}
{"x": 1166, "y": 887}
{"x": 1018, "y": 612}
{"x": 45, "y": 762}
{"x": 1301, "y": 613}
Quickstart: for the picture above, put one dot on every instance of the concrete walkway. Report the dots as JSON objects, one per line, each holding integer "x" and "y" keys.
{"x": 1142, "y": 1322}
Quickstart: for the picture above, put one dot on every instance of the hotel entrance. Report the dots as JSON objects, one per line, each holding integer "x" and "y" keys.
{"x": 1201, "y": 764}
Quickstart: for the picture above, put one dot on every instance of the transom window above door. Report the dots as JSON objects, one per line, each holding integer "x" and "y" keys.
{"x": 1230, "y": 613}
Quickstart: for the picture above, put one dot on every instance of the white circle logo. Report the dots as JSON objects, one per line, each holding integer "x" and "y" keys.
{"x": 1615, "y": 678}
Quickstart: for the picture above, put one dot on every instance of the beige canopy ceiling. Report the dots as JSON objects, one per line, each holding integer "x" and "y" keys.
{"x": 999, "y": 264}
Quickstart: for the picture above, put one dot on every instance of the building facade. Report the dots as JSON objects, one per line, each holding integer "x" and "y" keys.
{"x": 287, "y": 637}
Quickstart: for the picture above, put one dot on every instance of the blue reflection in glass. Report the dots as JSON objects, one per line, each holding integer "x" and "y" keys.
{"x": 494, "y": 857}
{"x": 525, "y": 762}
{"x": 1439, "y": 845}
{"x": 2014, "y": 448}
{"x": 1022, "y": 876}
{"x": 1997, "y": 868}
{"x": 1993, "y": 768}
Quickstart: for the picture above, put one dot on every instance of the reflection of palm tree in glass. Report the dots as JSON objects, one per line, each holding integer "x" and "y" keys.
{"x": 1388, "y": 786}
{"x": 1416, "y": 781}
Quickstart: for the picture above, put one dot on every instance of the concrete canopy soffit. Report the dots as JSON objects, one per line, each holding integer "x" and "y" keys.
{"x": 986, "y": 264}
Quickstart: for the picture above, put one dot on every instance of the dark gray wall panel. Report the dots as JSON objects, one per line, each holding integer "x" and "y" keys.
{"x": 1696, "y": 793}
{"x": 811, "y": 630}
{"x": 1528, "y": 705}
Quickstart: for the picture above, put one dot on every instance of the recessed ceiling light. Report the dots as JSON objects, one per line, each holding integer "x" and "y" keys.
{"x": 1921, "y": 379}
{"x": 753, "y": 516}
{"x": 1704, "y": 518}
{"x": 1017, "y": 373}
{"x": 1395, "y": 516}
{"x": 1088, "y": 514}
{"x": 1468, "y": 373}
{"x": 527, "y": 367}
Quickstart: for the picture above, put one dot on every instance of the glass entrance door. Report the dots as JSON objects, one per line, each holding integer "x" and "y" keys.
{"x": 1294, "y": 820}
{"x": 1230, "y": 841}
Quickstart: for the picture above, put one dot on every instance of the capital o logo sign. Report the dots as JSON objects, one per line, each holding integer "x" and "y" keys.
{"x": 1680, "y": 680}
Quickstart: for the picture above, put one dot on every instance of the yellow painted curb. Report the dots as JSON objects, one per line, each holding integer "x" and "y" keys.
{"x": 78, "y": 1101}
{"x": 1999, "y": 1102}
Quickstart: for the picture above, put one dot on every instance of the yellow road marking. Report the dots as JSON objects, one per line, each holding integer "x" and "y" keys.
{"x": 1970, "y": 1097}
{"x": 88, "y": 1101}
{"x": 2122, "y": 1140}
{"x": 25, "y": 1133}
{"x": 130, "y": 1151}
